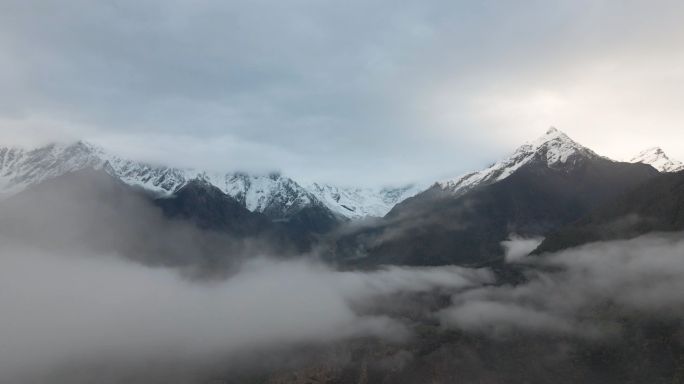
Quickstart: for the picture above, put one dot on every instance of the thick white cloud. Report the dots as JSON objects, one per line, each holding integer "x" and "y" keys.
{"x": 81, "y": 306}
{"x": 517, "y": 247}
{"x": 571, "y": 288}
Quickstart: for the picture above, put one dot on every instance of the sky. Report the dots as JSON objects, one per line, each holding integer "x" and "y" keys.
{"x": 357, "y": 93}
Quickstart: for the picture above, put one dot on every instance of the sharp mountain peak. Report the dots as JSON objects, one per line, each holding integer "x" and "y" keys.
{"x": 555, "y": 148}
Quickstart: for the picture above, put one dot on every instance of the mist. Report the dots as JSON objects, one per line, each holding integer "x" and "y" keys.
{"x": 517, "y": 247}
{"x": 106, "y": 316}
{"x": 62, "y": 308}
{"x": 96, "y": 284}
{"x": 570, "y": 291}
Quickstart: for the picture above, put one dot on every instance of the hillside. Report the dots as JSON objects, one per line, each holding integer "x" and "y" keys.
{"x": 656, "y": 205}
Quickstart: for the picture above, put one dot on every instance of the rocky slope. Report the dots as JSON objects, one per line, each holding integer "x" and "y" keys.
{"x": 654, "y": 206}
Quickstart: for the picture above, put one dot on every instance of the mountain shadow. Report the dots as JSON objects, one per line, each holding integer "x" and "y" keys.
{"x": 654, "y": 206}
{"x": 211, "y": 209}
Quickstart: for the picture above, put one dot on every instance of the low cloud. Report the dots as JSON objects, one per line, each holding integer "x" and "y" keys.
{"x": 518, "y": 247}
{"x": 96, "y": 286}
{"x": 62, "y": 308}
{"x": 568, "y": 290}
{"x": 500, "y": 317}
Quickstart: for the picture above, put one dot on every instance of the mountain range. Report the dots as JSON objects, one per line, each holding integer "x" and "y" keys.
{"x": 275, "y": 195}
{"x": 545, "y": 185}
{"x": 278, "y": 197}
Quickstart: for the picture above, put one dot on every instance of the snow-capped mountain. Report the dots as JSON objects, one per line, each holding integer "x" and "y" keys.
{"x": 280, "y": 197}
{"x": 277, "y": 196}
{"x": 21, "y": 168}
{"x": 555, "y": 148}
{"x": 545, "y": 185}
{"x": 659, "y": 160}
{"x": 356, "y": 203}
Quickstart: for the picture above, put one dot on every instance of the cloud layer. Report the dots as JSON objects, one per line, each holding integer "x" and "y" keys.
{"x": 569, "y": 291}
{"x": 64, "y": 308}
{"x": 100, "y": 314}
{"x": 410, "y": 91}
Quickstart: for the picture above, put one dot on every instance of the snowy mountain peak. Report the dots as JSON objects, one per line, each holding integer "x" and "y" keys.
{"x": 554, "y": 148}
{"x": 657, "y": 158}
{"x": 275, "y": 195}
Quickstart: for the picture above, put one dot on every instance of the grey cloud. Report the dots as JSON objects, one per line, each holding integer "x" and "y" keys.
{"x": 94, "y": 278}
{"x": 404, "y": 91}
{"x": 59, "y": 308}
{"x": 644, "y": 273}
{"x": 70, "y": 308}
{"x": 500, "y": 318}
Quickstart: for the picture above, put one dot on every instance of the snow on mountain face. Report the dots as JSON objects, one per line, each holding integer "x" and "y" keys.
{"x": 659, "y": 160}
{"x": 21, "y": 168}
{"x": 356, "y": 203}
{"x": 277, "y": 196}
{"x": 555, "y": 148}
{"x": 280, "y": 197}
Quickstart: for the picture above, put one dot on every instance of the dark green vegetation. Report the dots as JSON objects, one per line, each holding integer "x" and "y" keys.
{"x": 655, "y": 205}
{"x": 535, "y": 200}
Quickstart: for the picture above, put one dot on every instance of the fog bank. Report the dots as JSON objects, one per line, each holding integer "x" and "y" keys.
{"x": 569, "y": 291}
{"x": 64, "y": 308}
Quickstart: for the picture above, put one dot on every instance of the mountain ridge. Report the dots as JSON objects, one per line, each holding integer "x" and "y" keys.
{"x": 279, "y": 197}
{"x": 543, "y": 186}
{"x": 555, "y": 145}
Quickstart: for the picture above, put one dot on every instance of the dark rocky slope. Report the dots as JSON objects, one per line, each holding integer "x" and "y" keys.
{"x": 535, "y": 200}
{"x": 656, "y": 205}
{"x": 210, "y": 209}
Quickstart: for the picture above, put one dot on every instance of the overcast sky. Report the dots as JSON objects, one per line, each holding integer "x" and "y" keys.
{"x": 354, "y": 92}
